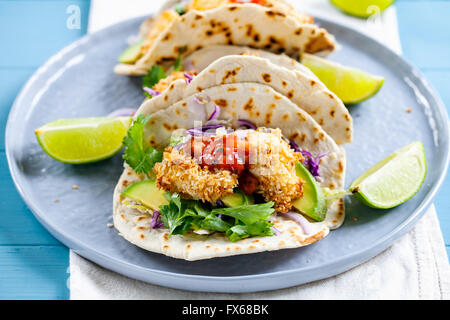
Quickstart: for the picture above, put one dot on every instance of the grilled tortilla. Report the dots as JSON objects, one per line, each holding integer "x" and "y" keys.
{"x": 273, "y": 26}
{"x": 304, "y": 90}
{"x": 265, "y": 108}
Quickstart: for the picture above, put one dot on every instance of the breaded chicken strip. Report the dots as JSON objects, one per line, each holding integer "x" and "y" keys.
{"x": 181, "y": 174}
{"x": 273, "y": 162}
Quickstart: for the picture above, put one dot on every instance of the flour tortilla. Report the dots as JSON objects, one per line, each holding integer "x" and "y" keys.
{"x": 305, "y": 91}
{"x": 202, "y": 58}
{"x": 265, "y": 107}
{"x": 233, "y": 24}
{"x": 134, "y": 226}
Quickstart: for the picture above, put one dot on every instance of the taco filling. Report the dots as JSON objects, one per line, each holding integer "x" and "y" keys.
{"x": 208, "y": 168}
{"x": 216, "y": 179}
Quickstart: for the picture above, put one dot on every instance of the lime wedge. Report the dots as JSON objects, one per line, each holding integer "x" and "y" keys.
{"x": 349, "y": 84}
{"x": 83, "y": 140}
{"x": 393, "y": 180}
{"x": 362, "y": 8}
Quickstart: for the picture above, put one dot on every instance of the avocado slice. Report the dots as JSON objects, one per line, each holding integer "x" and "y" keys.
{"x": 131, "y": 54}
{"x": 147, "y": 193}
{"x": 238, "y": 198}
{"x": 312, "y": 203}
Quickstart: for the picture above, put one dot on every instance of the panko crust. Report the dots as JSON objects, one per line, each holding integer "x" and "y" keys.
{"x": 275, "y": 169}
{"x": 181, "y": 174}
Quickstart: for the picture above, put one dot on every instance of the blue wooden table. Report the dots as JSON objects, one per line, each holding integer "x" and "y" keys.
{"x": 33, "y": 264}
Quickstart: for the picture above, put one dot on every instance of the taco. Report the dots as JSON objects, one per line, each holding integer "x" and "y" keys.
{"x": 201, "y": 59}
{"x": 303, "y": 89}
{"x": 272, "y": 25}
{"x": 232, "y": 165}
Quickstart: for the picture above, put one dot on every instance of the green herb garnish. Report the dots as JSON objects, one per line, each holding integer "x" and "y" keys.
{"x": 138, "y": 155}
{"x": 249, "y": 220}
{"x": 154, "y": 75}
{"x": 180, "y": 9}
{"x": 177, "y": 64}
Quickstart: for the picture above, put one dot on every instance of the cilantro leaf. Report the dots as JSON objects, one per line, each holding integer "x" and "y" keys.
{"x": 153, "y": 76}
{"x": 177, "y": 215}
{"x": 139, "y": 156}
{"x": 213, "y": 222}
{"x": 259, "y": 228}
{"x": 176, "y": 66}
{"x": 248, "y": 214}
{"x": 180, "y": 9}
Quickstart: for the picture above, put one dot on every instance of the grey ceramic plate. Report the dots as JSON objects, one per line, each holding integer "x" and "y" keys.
{"x": 79, "y": 82}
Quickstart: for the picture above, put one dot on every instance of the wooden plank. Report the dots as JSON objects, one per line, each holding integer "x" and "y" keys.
{"x": 34, "y": 272}
{"x": 18, "y": 225}
{"x": 33, "y": 265}
{"x": 11, "y": 81}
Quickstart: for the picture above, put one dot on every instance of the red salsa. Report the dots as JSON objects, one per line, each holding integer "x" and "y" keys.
{"x": 226, "y": 152}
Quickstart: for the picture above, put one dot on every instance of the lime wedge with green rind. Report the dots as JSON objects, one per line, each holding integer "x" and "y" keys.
{"x": 362, "y": 8}
{"x": 393, "y": 180}
{"x": 351, "y": 85}
{"x": 84, "y": 140}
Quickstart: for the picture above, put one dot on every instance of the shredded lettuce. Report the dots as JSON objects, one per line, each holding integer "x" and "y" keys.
{"x": 248, "y": 214}
{"x": 259, "y": 228}
{"x": 181, "y": 215}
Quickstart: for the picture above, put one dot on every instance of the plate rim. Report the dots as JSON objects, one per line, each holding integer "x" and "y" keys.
{"x": 231, "y": 284}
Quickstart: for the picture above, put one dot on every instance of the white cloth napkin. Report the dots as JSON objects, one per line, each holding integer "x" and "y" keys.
{"x": 414, "y": 267}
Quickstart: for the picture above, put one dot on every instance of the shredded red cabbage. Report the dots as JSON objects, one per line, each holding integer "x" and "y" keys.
{"x": 201, "y": 130}
{"x": 188, "y": 77}
{"x": 151, "y": 92}
{"x": 155, "y": 223}
{"x": 246, "y": 123}
{"x": 202, "y": 99}
{"x": 215, "y": 114}
{"x": 277, "y": 232}
{"x": 311, "y": 163}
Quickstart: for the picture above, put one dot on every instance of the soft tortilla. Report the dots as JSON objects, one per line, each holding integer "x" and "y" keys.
{"x": 305, "y": 91}
{"x": 233, "y": 24}
{"x": 265, "y": 107}
{"x": 134, "y": 226}
{"x": 202, "y": 58}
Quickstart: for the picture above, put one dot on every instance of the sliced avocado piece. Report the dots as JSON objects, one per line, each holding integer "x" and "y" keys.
{"x": 238, "y": 198}
{"x": 147, "y": 193}
{"x": 312, "y": 203}
{"x": 131, "y": 54}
